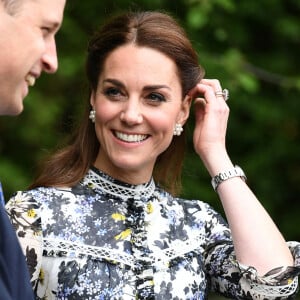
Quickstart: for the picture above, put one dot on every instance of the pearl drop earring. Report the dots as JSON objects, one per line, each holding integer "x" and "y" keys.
{"x": 178, "y": 129}
{"x": 92, "y": 115}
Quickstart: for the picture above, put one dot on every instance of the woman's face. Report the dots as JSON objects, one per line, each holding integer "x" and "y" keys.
{"x": 138, "y": 102}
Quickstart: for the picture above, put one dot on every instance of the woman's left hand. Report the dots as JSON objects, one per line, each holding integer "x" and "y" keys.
{"x": 257, "y": 244}
{"x": 211, "y": 115}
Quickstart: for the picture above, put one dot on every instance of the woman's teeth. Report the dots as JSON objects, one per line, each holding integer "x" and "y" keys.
{"x": 131, "y": 138}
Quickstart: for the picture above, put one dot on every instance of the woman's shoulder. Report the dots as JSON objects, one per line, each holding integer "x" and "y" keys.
{"x": 36, "y": 195}
{"x": 199, "y": 209}
{"x": 189, "y": 205}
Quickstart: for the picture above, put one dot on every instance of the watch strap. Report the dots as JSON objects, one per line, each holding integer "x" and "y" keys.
{"x": 223, "y": 176}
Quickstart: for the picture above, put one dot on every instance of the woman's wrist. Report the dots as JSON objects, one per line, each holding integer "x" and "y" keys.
{"x": 216, "y": 162}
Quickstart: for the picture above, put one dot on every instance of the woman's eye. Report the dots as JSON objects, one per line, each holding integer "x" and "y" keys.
{"x": 112, "y": 92}
{"x": 156, "y": 97}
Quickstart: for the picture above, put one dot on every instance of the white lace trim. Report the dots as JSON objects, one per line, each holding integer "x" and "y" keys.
{"x": 145, "y": 190}
{"x": 160, "y": 261}
{"x": 72, "y": 249}
{"x": 277, "y": 290}
{"x": 56, "y": 247}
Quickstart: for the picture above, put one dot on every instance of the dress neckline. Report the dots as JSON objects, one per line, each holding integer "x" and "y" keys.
{"x": 95, "y": 178}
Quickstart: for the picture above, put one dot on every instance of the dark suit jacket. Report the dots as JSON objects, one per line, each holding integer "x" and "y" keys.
{"x": 14, "y": 275}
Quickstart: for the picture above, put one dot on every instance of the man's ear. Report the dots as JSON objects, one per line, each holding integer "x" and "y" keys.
{"x": 185, "y": 110}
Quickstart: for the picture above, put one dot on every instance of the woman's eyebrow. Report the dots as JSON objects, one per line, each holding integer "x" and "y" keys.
{"x": 114, "y": 82}
{"x": 156, "y": 87}
{"x": 145, "y": 88}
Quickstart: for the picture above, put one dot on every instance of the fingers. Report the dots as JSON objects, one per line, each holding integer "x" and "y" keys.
{"x": 210, "y": 90}
{"x": 200, "y": 101}
{"x": 199, "y": 104}
{"x": 213, "y": 83}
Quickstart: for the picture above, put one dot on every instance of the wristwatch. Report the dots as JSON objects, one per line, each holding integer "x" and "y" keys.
{"x": 235, "y": 172}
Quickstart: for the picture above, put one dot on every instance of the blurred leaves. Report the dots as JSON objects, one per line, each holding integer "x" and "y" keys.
{"x": 252, "y": 47}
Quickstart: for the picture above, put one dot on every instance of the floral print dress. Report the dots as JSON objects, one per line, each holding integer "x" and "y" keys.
{"x": 105, "y": 239}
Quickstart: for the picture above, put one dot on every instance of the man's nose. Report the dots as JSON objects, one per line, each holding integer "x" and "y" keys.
{"x": 49, "y": 58}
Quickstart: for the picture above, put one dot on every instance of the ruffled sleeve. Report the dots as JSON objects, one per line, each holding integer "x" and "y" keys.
{"x": 24, "y": 214}
{"x": 234, "y": 280}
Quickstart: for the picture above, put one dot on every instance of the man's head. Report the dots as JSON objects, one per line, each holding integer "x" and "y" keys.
{"x": 27, "y": 47}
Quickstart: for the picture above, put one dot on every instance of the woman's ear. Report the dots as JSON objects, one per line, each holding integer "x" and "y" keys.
{"x": 185, "y": 110}
{"x": 92, "y": 99}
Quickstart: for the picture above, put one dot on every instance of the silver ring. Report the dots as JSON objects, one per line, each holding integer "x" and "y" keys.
{"x": 224, "y": 94}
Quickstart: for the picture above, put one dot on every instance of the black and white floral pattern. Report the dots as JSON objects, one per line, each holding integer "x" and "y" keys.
{"x": 91, "y": 242}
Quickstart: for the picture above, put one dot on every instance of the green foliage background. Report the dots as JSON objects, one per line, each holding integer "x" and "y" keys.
{"x": 252, "y": 47}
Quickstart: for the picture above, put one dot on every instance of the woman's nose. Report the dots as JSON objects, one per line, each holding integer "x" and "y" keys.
{"x": 131, "y": 113}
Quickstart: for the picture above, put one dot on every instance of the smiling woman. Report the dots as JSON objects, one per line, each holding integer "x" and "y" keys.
{"x": 102, "y": 220}
{"x": 136, "y": 110}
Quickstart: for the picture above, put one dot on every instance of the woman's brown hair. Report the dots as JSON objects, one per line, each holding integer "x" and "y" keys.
{"x": 155, "y": 30}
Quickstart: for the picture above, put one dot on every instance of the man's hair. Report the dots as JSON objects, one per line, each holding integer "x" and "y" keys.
{"x": 12, "y": 6}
